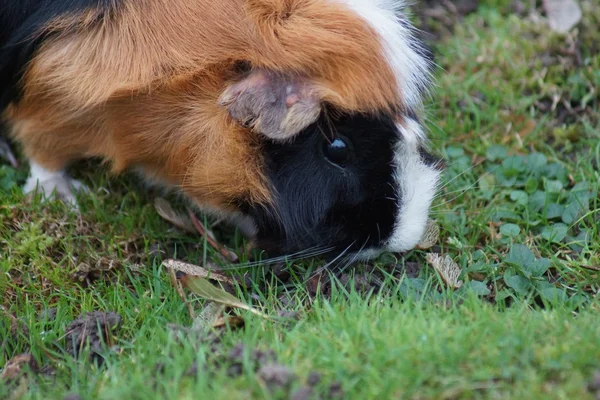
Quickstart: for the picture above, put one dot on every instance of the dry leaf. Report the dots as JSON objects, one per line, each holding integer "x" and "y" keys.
{"x": 196, "y": 270}
{"x": 16, "y": 365}
{"x": 233, "y": 321}
{"x": 191, "y": 225}
{"x": 209, "y": 314}
{"x": 164, "y": 209}
{"x": 206, "y": 290}
{"x": 590, "y": 267}
{"x": 563, "y": 15}
{"x": 430, "y": 237}
{"x": 213, "y": 316}
{"x": 447, "y": 268}
{"x": 210, "y": 238}
{"x": 316, "y": 282}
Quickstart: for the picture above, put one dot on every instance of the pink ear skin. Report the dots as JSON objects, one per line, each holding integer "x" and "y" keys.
{"x": 272, "y": 104}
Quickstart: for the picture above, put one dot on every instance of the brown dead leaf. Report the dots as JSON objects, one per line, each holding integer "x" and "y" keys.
{"x": 209, "y": 314}
{"x": 18, "y": 365}
{"x": 591, "y": 267}
{"x": 196, "y": 270}
{"x": 166, "y": 211}
{"x": 232, "y": 321}
{"x": 213, "y": 317}
{"x": 430, "y": 237}
{"x": 527, "y": 128}
{"x": 210, "y": 238}
{"x": 562, "y": 15}
{"x": 315, "y": 281}
{"x": 447, "y": 268}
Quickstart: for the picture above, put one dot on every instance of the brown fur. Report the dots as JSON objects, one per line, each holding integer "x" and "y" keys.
{"x": 141, "y": 87}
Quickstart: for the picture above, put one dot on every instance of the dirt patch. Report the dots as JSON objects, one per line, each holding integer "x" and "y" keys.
{"x": 48, "y": 315}
{"x": 277, "y": 377}
{"x": 567, "y": 89}
{"x": 256, "y": 357}
{"x": 281, "y": 380}
{"x": 93, "y": 330}
{"x": 437, "y": 18}
{"x": 361, "y": 278}
{"x": 569, "y": 86}
{"x": 86, "y": 249}
{"x": 335, "y": 391}
{"x": 16, "y": 326}
{"x": 594, "y": 385}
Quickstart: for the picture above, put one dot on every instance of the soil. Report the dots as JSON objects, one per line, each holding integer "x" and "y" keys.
{"x": 594, "y": 385}
{"x": 91, "y": 258}
{"x": 17, "y": 326}
{"x": 363, "y": 279}
{"x": 302, "y": 393}
{"x": 94, "y": 329}
{"x": 276, "y": 375}
{"x": 438, "y": 17}
{"x": 48, "y": 315}
{"x": 281, "y": 380}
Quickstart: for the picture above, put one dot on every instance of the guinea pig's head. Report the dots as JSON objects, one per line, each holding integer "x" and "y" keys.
{"x": 343, "y": 151}
{"x": 349, "y": 183}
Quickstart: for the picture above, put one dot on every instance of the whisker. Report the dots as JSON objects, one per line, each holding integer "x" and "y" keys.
{"x": 464, "y": 172}
{"x": 352, "y": 259}
{"x": 462, "y": 191}
{"x": 324, "y": 267}
{"x": 307, "y": 253}
{"x": 491, "y": 186}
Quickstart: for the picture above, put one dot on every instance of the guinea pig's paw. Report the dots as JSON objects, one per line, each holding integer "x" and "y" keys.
{"x": 50, "y": 184}
{"x": 274, "y": 105}
{"x": 79, "y": 186}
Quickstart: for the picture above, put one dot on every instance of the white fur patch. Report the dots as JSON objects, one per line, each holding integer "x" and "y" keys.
{"x": 417, "y": 184}
{"x": 400, "y": 46}
{"x": 53, "y": 182}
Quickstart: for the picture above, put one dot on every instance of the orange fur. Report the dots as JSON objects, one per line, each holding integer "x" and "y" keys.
{"x": 141, "y": 87}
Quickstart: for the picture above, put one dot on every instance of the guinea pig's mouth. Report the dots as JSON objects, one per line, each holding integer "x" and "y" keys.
{"x": 331, "y": 255}
{"x": 347, "y": 192}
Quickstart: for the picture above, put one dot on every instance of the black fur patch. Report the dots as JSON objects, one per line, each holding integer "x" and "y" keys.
{"x": 23, "y": 27}
{"x": 322, "y": 204}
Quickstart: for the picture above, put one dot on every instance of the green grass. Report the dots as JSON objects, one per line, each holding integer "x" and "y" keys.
{"x": 516, "y": 114}
{"x": 377, "y": 349}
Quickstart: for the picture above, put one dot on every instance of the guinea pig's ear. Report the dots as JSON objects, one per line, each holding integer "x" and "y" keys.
{"x": 276, "y": 105}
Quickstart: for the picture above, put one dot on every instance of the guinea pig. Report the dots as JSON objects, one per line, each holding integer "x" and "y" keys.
{"x": 296, "y": 119}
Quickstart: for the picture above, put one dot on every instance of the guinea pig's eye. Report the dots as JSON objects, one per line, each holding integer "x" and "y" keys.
{"x": 337, "y": 150}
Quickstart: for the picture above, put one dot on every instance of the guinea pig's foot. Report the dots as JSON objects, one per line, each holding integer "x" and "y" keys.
{"x": 54, "y": 183}
{"x": 272, "y": 104}
{"x": 79, "y": 186}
